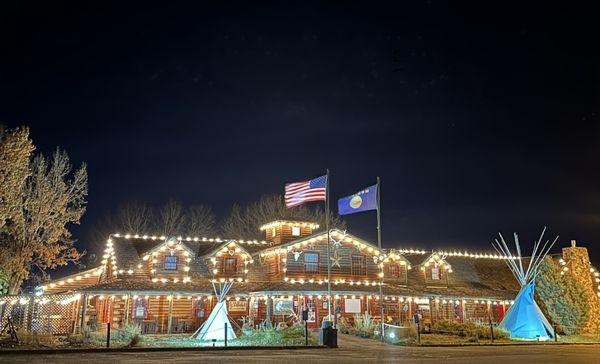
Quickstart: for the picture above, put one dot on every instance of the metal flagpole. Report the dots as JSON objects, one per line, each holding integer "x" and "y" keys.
{"x": 380, "y": 252}
{"x": 328, "y": 257}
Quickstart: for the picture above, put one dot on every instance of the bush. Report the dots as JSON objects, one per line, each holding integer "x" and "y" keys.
{"x": 365, "y": 325}
{"x": 269, "y": 336}
{"x": 126, "y": 333}
{"x": 87, "y": 337}
{"x": 36, "y": 338}
{"x": 467, "y": 329}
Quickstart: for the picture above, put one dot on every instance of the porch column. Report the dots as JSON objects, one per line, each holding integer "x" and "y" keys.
{"x": 170, "y": 321}
{"x": 432, "y": 307}
{"x": 250, "y": 303}
{"x": 127, "y": 301}
{"x": 269, "y": 301}
{"x": 83, "y": 323}
{"x": 463, "y": 307}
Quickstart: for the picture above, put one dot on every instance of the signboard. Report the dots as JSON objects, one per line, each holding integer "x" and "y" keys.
{"x": 352, "y": 305}
{"x": 282, "y": 306}
{"x": 237, "y": 306}
{"x": 312, "y": 317}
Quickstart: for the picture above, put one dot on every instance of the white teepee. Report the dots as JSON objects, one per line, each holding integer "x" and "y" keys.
{"x": 214, "y": 326}
{"x": 524, "y": 319}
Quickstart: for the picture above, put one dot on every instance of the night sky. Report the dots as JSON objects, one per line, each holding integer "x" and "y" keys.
{"x": 478, "y": 118}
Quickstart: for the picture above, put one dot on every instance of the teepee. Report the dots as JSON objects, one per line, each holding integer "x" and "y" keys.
{"x": 524, "y": 320}
{"x": 214, "y": 326}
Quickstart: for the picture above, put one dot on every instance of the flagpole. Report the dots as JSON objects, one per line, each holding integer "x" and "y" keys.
{"x": 380, "y": 253}
{"x": 328, "y": 243}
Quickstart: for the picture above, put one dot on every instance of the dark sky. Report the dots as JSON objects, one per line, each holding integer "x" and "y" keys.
{"x": 479, "y": 118}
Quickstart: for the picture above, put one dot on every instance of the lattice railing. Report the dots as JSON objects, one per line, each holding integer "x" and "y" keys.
{"x": 52, "y": 314}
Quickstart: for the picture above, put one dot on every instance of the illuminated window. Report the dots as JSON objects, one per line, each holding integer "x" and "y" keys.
{"x": 273, "y": 232}
{"x": 230, "y": 265}
{"x": 359, "y": 265}
{"x": 295, "y": 230}
{"x": 170, "y": 262}
{"x": 311, "y": 262}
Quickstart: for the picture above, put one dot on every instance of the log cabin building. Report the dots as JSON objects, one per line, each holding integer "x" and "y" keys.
{"x": 165, "y": 284}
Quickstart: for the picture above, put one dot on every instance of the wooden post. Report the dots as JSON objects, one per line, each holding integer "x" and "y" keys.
{"x": 30, "y": 309}
{"x": 108, "y": 335}
{"x": 83, "y": 323}
{"x": 127, "y": 301}
{"x": 170, "y": 320}
{"x": 268, "y": 302}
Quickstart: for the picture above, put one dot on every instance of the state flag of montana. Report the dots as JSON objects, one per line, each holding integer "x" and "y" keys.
{"x": 364, "y": 200}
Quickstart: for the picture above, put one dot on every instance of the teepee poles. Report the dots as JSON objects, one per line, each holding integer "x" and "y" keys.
{"x": 524, "y": 274}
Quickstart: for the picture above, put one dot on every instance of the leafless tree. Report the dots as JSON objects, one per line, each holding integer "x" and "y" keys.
{"x": 134, "y": 218}
{"x": 171, "y": 219}
{"x": 244, "y": 222}
{"x": 200, "y": 221}
{"x": 130, "y": 218}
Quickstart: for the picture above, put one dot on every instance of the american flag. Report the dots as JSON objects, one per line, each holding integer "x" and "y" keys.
{"x": 298, "y": 193}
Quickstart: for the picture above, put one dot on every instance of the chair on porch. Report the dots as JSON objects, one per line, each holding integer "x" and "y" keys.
{"x": 149, "y": 327}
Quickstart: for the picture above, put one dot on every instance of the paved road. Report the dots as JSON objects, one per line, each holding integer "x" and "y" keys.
{"x": 352, "y": 350}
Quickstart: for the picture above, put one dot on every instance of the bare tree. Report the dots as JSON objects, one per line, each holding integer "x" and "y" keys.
{"x": 130, "y": 218}
{"x": 244, "y": 222}
{"x": 200, "y": 221}
{"x": 134, "y": 218}
{"x": 171, "y": 218}
{"x": 35, "y": 234}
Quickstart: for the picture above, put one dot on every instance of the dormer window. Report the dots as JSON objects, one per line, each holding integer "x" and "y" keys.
{"x": 295, "y": 230}
{"x": 170, "y": 262}
{"x": 230, "y": 265}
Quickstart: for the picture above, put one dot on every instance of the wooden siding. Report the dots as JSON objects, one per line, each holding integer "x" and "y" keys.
{"x": 296, "y": 268}
{"x": 283, "y": 233}
{"x": 220, "y": 267}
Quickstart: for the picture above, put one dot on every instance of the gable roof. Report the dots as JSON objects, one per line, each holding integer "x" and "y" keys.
{"x": 349, "y": 238}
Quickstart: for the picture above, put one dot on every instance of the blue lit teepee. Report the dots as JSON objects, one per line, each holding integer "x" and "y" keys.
{"x": 524, "y": 320}
{"x": 214, "y": 326}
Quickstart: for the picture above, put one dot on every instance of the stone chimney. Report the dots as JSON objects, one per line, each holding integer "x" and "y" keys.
{"x": 578, "y": 262}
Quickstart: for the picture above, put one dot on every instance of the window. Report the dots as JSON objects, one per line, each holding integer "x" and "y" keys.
{"x": 311, "y": 262}
{"x": 273, "y": 232}
{"x": 395, "y": 270}
{"x": 140, "y": 310}
{"x": 295, "y": 230}
{"x": 398, "y": 271}
{"x": 230, "y": 265}
{"x": 170, "y": 262}
{"x": 435, "y": 273}
{"x": 359, "y": 265}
